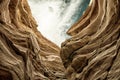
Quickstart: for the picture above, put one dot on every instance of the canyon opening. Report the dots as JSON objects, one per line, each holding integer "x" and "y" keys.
{"x": 91, "y": 53}
{"x": 55, "y": 17}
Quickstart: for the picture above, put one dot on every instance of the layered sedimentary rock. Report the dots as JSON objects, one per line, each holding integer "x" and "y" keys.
{"x": 93, "y": 52}
{"x": 24, "y": 53}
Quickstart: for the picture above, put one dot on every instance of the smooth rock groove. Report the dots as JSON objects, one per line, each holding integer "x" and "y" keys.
{"x": 93, "y": 52}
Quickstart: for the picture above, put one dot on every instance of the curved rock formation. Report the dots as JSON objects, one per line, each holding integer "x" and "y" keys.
{"x": 93, "y": 52}
{"x": 24, "y": 53}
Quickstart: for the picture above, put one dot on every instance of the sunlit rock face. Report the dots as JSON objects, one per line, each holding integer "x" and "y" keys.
{"x": 93, "y": 52}
{"x": 55, "y": 17}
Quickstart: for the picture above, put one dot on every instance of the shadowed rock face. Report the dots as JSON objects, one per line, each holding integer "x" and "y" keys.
{"x": 5, "y": 75}
{"x": 93, "y": 52}
{"x": 24, "y": 53}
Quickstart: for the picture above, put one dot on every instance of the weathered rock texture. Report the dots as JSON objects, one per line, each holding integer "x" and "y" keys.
{"x": 93, "y": 52}
{"x": 24, "y": 53}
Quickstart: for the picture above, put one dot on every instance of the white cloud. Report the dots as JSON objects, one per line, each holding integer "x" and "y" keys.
{"x": 54, "y": 17}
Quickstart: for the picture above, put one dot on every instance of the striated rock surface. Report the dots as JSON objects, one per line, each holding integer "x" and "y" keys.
{"x": 24, "y": 53}
{"x": 93, "y": 52}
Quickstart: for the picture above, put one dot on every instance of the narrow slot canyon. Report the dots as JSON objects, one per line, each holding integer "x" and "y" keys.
{"x": 59, "y": 40}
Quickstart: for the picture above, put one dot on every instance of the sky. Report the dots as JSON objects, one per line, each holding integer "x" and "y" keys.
{"x": 55, "y": 17}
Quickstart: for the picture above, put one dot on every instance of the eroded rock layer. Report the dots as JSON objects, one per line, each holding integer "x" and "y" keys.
{"x": 24, "y": 53}
{"x": 93, "y": 52}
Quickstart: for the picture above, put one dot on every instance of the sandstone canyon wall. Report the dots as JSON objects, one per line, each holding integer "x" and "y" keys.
{"x": 93, "y": 52}
{"x": 24, "y": 53}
